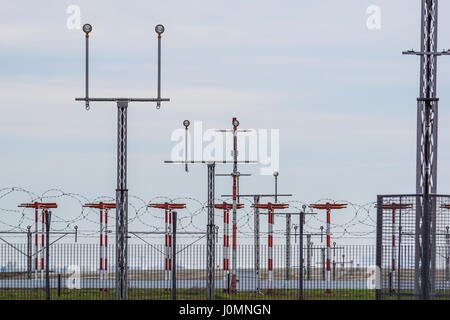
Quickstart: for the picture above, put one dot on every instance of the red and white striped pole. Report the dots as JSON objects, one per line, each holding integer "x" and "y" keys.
{"x": 101, "y": 248}
{"x": 270, "y": 214}
{"x": 36, "y": 206}
{"x": 103, "y": 207}
{"x": 226, "y": 242}
{"x": 170, "y": 246}
{"x": 270, "y": 245}
{"x": 106, "y": 244}
{"x": 42, "y": 244}
{"x": 328, "y": 207}
{"x": 235, "y": 123}
{"x": 36, "y": 244}
{"x": 226, "y": 239}
{"x": 394, "y": 207}
{"x": 168, "y": 207}
{"x": 328, "y": 250}
{"x": 166, "y": 242}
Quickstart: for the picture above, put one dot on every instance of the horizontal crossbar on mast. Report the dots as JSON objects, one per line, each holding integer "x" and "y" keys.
{"x": 328, "y": 206}
{"x": 393, "y": 206}
{"x": 259, "y": 195}
{"x": 238, "y": 130}
{"x": 167, "y": 205}
{"x": 228, "y": 206}
{"x": 232, "y": 174}
{"x": 123, "y": 99}
{"x": 211, "y": 161}
{"x": 163, "y": 232}
{"x": 427, "y": 53}
{"x": 291, "y": 213}
{"x": 100, "y": 205}
{"x": 270, "y": 206}
{"x": 39, "y": 205}
{"x": 26, "y": 232}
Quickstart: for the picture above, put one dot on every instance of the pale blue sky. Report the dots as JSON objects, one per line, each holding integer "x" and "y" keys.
{"x": 343, "y": 96}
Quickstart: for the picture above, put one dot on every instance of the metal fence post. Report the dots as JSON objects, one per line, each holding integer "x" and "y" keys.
{"x": 323, "y": 262}
{"x": 29, "y": 259}
{"x": 210, "y": 260}
{"x": 334, "y": 261}
{"x": 59, "y": 285}
{"x": 379, "y": 247}
{"x": 447, "y": 255}
{"x": 308, "y": 256}
{"x": 301, "y": 255}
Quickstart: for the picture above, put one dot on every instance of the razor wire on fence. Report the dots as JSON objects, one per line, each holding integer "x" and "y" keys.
{"x": 358, "y": 221}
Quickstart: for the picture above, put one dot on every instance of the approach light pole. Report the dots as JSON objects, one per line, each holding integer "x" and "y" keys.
{"x": 122, "y": 191}
{"x": 211, "y": 226}
{"x": 328, "y": 207}
{"x": 48, "y": 217}
{"x": 426, "y": 152}
{"x": 186, "y": 124}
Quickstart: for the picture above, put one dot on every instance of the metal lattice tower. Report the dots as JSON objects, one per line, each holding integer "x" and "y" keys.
{"x": 122, "y": 204}
{"x": 121, "y": 190}
{"x": 426, "y": 161}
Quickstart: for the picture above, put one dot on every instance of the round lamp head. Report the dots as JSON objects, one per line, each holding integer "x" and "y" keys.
{"x": 186, "y": 123}
{"x": 236, "y": 123}
{"x": 159, "y": 29}
{"x": 87, "y": 28}
{"x": 275, "y": 174}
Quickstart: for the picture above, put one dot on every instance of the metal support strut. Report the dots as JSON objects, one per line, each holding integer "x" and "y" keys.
{"x": 122, "y": 204}
{"x": 210, "y": 263}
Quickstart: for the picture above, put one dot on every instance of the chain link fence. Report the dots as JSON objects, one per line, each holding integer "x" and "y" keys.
{"x": 75, "y": 272}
